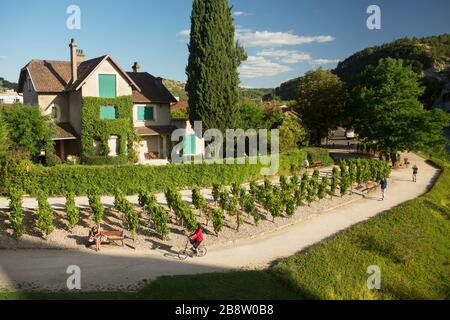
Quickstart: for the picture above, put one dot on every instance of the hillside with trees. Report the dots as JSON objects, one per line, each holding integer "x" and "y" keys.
{"x": 5, "y": 84}
{"x": 177, "y": 88}
{"x": 429, "y": 57}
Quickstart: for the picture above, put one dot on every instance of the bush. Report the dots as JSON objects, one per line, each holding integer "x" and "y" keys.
{"x": 160, "y": 220}
{"x": 218, "y": 220}
{"x": 131, "y": 217}
{"x": 334, "y": 181}
{"x": 148, "y": 202}
{"x": 45, "y": 215}
{"x": 73, "y": 214}
{"x": 16, "y": 211}
{"x": 319, "y": 154}
{"x": 323, "y": 185}
{"x": 105, "y": 160}
{"x": 98, "y": 210}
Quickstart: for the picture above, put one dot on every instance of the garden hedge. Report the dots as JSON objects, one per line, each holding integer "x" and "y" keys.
{"x": 58, "y": 180}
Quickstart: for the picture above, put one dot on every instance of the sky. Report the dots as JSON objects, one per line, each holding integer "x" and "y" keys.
{"x": 283, "y": 38}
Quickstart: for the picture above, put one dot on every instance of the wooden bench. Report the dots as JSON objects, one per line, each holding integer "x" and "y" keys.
{"x": 151, "y": 155}
{"x": 114, "y": 236}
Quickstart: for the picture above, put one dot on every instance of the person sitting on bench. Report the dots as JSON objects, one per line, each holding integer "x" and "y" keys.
{"x": 98, "y": 235}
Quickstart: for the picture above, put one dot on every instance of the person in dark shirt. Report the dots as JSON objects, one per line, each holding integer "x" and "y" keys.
{"x": 383, "y": 184}
{"x": 415, "y": 170}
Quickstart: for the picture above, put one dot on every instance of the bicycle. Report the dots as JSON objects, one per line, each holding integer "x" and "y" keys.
{"x": 188, "y": 252}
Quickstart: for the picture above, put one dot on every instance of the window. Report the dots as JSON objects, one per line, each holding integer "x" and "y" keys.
{"x": 107, "y": 86}
{"x": 146, "y": 113}
{"x": 189, "y": 145}
{"x": 54, "y": 113}
{"x": 108, "y": 113}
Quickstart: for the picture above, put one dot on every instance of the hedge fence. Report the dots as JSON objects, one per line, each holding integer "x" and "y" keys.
{"x": 56, "y": 181}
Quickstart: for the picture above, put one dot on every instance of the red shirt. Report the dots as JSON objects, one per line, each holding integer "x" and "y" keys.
{"x": 198, "y": 235}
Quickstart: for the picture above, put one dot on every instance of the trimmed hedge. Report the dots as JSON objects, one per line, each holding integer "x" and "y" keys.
{"x": 105, "y": 160}
{"x": 319, "y": 154}
{"x": 58, "y": 180}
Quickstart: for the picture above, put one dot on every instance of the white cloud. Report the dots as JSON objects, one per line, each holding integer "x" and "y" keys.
{"x": 240, "y": 13}
{"x": 324, "y": 61}
{"x": 275, "y": 39}
{"x": 286, "y": 56}
{"x": 185, "y": 33}
{"x": 256, "y": 67}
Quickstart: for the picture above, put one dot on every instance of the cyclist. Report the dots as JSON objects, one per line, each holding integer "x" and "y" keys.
{"x": 196, "y": 238}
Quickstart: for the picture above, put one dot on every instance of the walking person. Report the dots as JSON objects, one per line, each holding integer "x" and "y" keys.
{"x": 306, "y": 164}
{"x": 383, "y": 184}
{"x": 415, "y": 170}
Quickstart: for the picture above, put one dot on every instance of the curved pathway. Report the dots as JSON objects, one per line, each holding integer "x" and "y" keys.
{"x": 116, "y": 269}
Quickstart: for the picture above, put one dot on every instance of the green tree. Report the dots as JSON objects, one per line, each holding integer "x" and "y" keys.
{"x": 292, "y": 134}
{"x": 322, "y": 97}
{"x": 212, "y": 71}
{"x": 386, "y": 109}
{"x": 29, "y": 129}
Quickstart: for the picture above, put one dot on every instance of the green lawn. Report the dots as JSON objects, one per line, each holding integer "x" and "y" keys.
{"x": 410, "y": 243}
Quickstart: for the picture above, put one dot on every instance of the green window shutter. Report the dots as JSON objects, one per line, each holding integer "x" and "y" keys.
{"x": 107, "y": 86}
{"x": 108, "y": 113}
{"x": 146, "y": 114}
{"x": 189, "y": 144}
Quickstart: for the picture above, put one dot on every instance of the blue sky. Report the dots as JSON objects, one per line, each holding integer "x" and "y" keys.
{"x": 283, "y": 38}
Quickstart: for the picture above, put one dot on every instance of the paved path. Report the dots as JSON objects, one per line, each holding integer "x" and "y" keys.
{"x": 118, "y": 268}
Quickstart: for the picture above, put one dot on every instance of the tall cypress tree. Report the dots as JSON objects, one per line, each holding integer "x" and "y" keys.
{"x": 214, "y": 57}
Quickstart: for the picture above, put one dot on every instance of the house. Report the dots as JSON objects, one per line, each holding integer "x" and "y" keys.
{"x": 96, "y": 105}
{"x": 10, "y": 96}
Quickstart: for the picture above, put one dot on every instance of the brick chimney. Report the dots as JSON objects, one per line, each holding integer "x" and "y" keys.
{"x": 80, "y": 56}
{"x": 73, "y": 60}
{"x": 136, "y": 67}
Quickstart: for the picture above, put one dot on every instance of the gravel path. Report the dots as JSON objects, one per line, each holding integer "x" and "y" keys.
{"x": 118, "y": 268}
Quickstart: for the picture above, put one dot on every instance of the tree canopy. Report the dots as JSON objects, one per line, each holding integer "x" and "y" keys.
{"x": 321, "y": 100}
{"x": 28, "y": 128}
{"x": 212, "y": 71}
{"x": 386, "y": 109}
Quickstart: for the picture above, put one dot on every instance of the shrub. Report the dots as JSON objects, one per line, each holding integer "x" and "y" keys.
{"x": 148, "y": 202}
{"x": 274, "y": 205}
{"x": 323, "y": 185}
{"x": 45, "y": 215}
{"x": 345, "y": 180}
{"x": 218, "y": 220}
{"x": 131, "y": 217}
{"x": 98, "y": 210}
{"x": 311, "y": 192}
{"x": 319, "y": 154}
{"x": 216, "y": 191}
{"x": 290, "y": 207}
{"x": 250, "y": 207}
{"x": 119, "y": 200}
{"x": 73, "y": 214}
{"x": 105, "y": 160}
{"x": 334, "y": 181}
{"x": 16, "y": 211}
{"x": 160, "y": 220}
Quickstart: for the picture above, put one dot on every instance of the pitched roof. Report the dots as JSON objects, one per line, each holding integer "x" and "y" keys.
{"x": 154, "y": 130}
{"x": 54, "y": 76}
{"x": 47, "y": 75}
{"x": 180, "y": 105}
{"x": 64, "y": 131}
{"x": 152, "y": 89}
